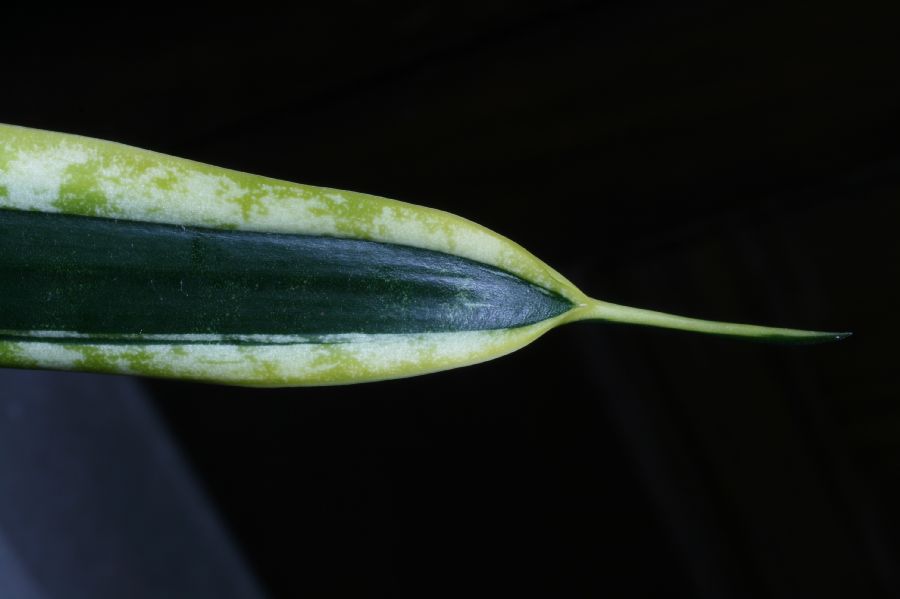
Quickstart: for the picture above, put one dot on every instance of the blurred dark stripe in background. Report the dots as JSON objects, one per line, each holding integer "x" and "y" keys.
{"x": 95, "y": 501}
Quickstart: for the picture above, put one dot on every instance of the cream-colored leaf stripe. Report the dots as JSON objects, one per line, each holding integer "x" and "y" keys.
{"x": 369, "y": 358}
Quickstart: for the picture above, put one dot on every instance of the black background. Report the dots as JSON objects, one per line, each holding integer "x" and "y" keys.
{"x": 733, "y": 162}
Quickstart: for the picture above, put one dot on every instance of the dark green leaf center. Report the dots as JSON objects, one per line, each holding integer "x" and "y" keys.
{"x": 101, "y": 278}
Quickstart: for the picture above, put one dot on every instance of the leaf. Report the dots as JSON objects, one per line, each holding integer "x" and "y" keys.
{"x": 117, "y": 259}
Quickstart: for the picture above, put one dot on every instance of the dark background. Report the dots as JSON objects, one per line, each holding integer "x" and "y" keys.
{"x": 725, "y": 161}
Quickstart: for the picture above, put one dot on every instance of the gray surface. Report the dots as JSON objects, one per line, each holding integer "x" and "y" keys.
{"x": 95, "y": 501}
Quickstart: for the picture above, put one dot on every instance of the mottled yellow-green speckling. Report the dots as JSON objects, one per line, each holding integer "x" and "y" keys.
{"x": 12, "y": 355}
{"x": 261, "y": 369}
{"x": 140, "y": 359}
{"x": 165, "y": 181}
{"x": 92, "y": 358}
{"x": 79, "y": 192}
{"x": 352, "y": 218}
{"x": 8, "y": 152}
{"x": 252, "y": 204}
{"x": 361, "y": 216}
{"x": 122, "y": 359}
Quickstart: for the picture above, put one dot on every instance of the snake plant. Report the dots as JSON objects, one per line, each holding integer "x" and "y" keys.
{"x": 117, "y": 259}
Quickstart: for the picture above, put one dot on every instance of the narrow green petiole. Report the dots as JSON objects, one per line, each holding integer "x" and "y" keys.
{"x": 593, "y": 309}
